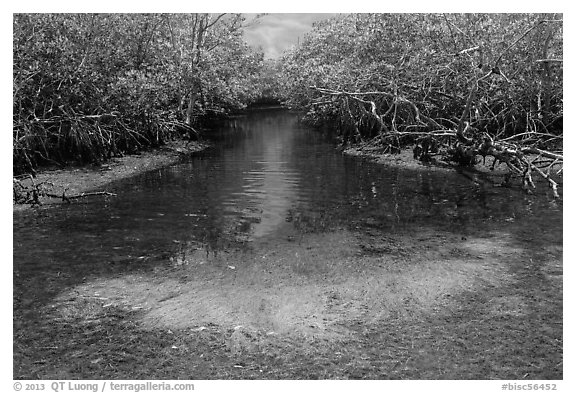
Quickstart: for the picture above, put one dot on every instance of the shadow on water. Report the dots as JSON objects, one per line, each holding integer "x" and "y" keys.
{"x": 266, "y": 177}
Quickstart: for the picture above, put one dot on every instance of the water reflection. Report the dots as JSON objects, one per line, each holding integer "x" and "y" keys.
{"x": 270, "y": 187}
{"x": 266, "y": 177}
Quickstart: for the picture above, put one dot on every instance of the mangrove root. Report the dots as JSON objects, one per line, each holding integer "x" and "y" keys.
{"x": 397, "y": 123}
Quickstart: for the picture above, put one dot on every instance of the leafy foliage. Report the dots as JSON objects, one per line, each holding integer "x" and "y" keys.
{"x": 432, "y": 61}
{"x": 460, "y": 86}
{"x": 90, "y": 86}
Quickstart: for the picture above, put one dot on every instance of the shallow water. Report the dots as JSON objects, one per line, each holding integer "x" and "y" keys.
{"x": 266, "y": 179}
{"x": 274, "y": 251}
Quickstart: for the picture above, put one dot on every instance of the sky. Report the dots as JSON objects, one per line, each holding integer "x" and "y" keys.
{"x": 277, "y": 32}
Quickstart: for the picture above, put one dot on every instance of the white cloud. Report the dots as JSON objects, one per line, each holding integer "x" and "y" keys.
{"x": 277, "y": 32}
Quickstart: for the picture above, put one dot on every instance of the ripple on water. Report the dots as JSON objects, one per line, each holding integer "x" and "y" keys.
{"x": 273, "y": 180}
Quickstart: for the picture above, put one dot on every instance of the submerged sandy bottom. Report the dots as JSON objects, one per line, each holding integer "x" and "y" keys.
{"x": 314, "y": 287}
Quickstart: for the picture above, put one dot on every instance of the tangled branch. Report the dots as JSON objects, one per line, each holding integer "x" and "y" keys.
{"x": 462, "y": 143}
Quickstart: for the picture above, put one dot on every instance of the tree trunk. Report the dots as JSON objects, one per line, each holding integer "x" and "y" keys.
{"x": 190, "y": 109}
{"x": 546, "y": 78}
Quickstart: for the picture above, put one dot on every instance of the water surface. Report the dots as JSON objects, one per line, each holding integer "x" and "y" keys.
{"x": 266, "y": 178}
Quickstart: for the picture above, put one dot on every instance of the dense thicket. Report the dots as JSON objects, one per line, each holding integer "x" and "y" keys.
{"x": 460, "y": 85}
{"x": 90, "y": 86}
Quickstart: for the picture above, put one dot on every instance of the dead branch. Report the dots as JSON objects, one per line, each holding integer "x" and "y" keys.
{"x": 61, "y": 119}
{"x": 68, "y": 198}
{"x": 33, "y": 192}
{"x": 466, "y": 51}
{"x": 549, "y": 61}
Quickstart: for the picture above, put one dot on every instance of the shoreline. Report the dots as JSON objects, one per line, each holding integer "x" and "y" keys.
{"x": 405, "y": 160}
{"x": 88, "y": 178}
{"x": 482, "y": 173}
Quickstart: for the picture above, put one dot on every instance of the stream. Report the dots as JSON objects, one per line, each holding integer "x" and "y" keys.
{"x": 267, "y": 179}
{"x": 273, "y": 255}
